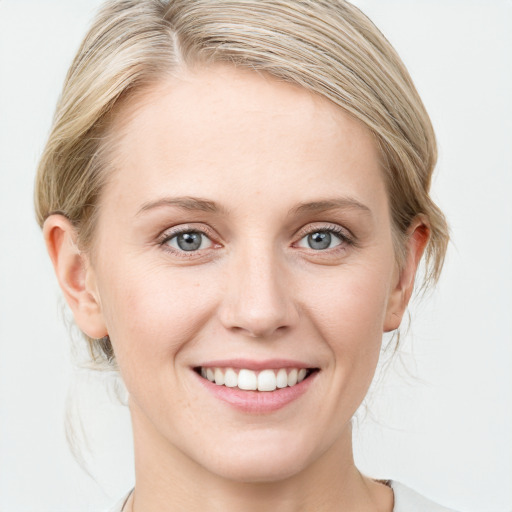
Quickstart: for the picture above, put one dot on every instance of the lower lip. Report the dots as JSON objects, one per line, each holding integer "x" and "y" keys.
{"x": 258, "y": 402}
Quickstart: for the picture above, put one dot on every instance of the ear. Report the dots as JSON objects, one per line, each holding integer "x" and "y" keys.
{"x": 418, "y": 235}
{"x": 75, "y": 275}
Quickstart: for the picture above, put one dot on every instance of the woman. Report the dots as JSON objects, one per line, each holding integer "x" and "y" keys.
{"x": 235, "y": 199}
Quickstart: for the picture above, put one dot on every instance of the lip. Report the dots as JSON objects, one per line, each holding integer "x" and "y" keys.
{"x": 249, "y": 364}
{"x": 256, "y": 402}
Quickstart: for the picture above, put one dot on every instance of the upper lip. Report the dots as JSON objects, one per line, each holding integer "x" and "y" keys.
{"x": 251, "y": 364}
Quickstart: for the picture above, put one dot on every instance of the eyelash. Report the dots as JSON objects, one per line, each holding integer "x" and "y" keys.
{"x": 345, "y": 237}
{"x": 167, "y": 236}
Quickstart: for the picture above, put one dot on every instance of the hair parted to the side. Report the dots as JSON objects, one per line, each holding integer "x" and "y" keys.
{"x": 326, "y": 46}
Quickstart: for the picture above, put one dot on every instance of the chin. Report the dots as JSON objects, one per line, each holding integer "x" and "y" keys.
{"x": 262, "y": 459}
{"x": 258, "y": 470}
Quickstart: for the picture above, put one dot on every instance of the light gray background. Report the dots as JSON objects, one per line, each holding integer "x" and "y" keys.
{"x": 445, "y": 431}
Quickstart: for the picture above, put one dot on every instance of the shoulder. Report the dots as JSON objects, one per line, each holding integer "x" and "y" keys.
{"x": 407, "y": 500}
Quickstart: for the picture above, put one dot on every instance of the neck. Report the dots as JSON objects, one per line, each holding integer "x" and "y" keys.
{"x": 168, "y": 480}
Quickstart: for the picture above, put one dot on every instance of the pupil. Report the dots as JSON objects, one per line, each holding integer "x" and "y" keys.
{"x": 189, "y": 241}
{"x": 319, "y": 240}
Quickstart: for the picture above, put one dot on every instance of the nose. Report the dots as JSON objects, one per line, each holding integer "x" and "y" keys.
{"x": 258, "y": 300}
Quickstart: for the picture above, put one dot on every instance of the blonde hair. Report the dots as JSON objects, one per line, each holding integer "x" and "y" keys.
{"x": 326, "y": 46}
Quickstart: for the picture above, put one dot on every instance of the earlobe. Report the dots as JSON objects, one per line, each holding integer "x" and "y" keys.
{"x": 75, "y": 275}
{"x": 418, "y": 235}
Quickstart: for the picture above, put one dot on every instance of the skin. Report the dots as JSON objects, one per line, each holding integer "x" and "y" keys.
{"x": 260, "y": 150}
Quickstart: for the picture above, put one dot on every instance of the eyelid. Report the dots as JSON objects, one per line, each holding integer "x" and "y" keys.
{"x": 205, "y": 242}
{"x": 343, "y": 233}
{"x": 170, "y": 233}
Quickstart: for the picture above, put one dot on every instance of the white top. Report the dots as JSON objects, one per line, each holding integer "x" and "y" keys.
{"x": 406, "y": 500}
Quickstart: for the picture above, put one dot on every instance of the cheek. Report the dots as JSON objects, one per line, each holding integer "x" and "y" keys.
{"x": 152, "y": 314}
{"x": 350, "y": 313}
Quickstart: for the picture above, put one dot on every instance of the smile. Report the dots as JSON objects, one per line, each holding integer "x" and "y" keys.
{"x": 250, "y": 380}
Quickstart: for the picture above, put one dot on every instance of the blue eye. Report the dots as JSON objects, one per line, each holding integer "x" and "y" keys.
{"x": 189, "y": 241}
{"x": 321, "y": 240}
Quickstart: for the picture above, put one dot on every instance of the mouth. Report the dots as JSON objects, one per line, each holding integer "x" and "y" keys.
{"x": 263, "y": 380}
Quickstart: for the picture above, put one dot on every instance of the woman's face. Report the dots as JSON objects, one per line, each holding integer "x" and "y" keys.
{"x": 246, "y": 226}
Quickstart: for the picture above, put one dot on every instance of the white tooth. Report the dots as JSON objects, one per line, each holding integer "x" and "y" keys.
{"x": 292, "y": 378}
{"x": 266, "y": 380}
{"x": 203, "y": 372}
{"x": 210, "y": 375}
{"x": 219, "y": 377}
{"x": 247, "y": 380}
{"x": 301, "y": 375}
{"x": 230, "y": 378}
{"x": 282, "y": 378}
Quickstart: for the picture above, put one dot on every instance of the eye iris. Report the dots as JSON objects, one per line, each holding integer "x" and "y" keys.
{"x": 189, "y": 241}
{"x": 319, "y": 240}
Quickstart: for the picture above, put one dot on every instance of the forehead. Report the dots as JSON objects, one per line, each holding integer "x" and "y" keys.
{"x": 219, "y": 129}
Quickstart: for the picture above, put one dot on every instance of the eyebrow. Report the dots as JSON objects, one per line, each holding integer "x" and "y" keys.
{"x": 345, "y": 203}
{"x": 185, "y": 203}
{"x": 205, "y": 205}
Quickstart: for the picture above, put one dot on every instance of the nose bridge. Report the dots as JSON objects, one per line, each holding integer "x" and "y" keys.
{"x": 259, "y": 298}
